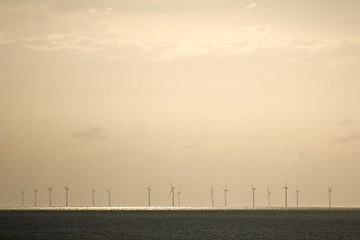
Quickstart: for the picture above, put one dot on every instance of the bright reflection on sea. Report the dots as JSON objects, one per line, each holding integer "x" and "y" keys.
{"x": 157, "y": 208}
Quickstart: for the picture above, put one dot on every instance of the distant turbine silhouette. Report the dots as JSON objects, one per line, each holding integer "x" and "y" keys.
{"x": 178, "y": 193}
{"x": 172, "y": 191}
{"x": 67, "y": 195}
{"x": 149, "y": 194}
{"x": 212, "y": 196}
{"x": 253, "y": 194}
{"x": 50, "y": 190}
{"x": 297, "y": 197}
{"x": 225, "y": 195}
{"x": 268, "y": 196}
{"x": 35, "y": 193}
{"x": 286, "y": 189}
{"x": 93, "y": 195}
{"x": 109, "y": 196}
{"x": 330, "y": 190}
{"x": 22, "y": 197}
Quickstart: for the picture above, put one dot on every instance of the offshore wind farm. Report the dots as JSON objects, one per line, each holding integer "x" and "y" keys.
{"x": 171, "y": 196}
{"x": 179, "y": 119}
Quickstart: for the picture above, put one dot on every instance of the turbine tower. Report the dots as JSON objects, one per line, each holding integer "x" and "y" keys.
{"x": 50, "y": 190}
{"x": 149, "y": 196}
{"x": 330, "y": 190}
{"x": 22, "y": 197}
{"x": 297, "y": 197}
{"x": 212, "y": 196}
{"x": 268, "y": 196}
{"x": 286, "y": 189}
{"x": 67, "y": 195}
{"x": 93, "y": 195}
{"x": 172, "y": 191}
{"x": 253, "y": 194}
{"x": 109, "y": 196}
{"x": 35, "y": 193}
{"x": 178, "y": 193}
{"x": 225, "y": 195}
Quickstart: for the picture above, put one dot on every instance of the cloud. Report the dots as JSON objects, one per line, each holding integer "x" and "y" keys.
{"x": 90, "y": 133}
{"x": 251, "y": 6}
{"x": 94, "y": 11}
{"x": 119, "y": 42}
{"x": 349, "y": 139}
{"x": 346, "y": 123}
{"x": 81, "y": 43}
{"x": 108, "y": 11}
{"x": 262, "y": 28}
{"x": 296, "y": 156}
{"x": 65, "y": 41}
{"x": 5, "y": 38}
{"x": 174, "y": 53}
{"x": 188, "y": 147}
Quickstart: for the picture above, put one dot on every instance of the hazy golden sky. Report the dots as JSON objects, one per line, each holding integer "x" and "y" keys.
{"x": 131, "y": 92}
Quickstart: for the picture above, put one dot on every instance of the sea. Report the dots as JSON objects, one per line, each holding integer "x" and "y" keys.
{"x": 179, "y": 223}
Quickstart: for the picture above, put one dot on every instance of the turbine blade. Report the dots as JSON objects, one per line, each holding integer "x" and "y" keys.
{"x": 170, "y": 192}
{"x": 170, "y": 184}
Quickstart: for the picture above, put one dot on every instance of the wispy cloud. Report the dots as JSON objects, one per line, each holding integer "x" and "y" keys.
{"x": 348, "y": 139}
{"x": 82, "y": 43}
{"x": 67, "y": 41}
{"x": 108, "y": 11}
{"x": 251, "y": 6}
{"x": 188, "y": 147}
{"x": 177, "y": 52}
{"x": 346, "y": 123}
{"x": 4, "y": 38}
{"x": 296, "y": 156}
{"x": 92, "y": 11}
{"x": 96, "y": 133}
{"x": 95, "y": 11}
{"x": 122, "y": 42}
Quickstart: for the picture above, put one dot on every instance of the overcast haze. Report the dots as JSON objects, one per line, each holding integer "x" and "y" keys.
{"x": 131, "y": 92}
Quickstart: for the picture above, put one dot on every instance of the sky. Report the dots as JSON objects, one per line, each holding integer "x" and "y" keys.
{"x": 128, "y": 93}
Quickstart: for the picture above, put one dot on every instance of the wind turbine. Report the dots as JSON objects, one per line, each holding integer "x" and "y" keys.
{"x": 50, "y": 190}
{"x": 22, "y": 197}
{"x": 35, "y": 192}
{"x": 67, "y": 195}
{"x": 253, "y": 194}
{"x": 225, "y": 194}
{"x": 212, "y": 196}
{"x": 286, "y": 189}
{"x": 297, "y": 197}
{"x": 149, "y": 196}
{"x": 178, "y": 193}
{"x": 93, "y": 195}
{"x": 172, "y": 191}
{"x": 109, "y": 196}
{"x": 268, "y": 195}
{"x": 330, "y": 190}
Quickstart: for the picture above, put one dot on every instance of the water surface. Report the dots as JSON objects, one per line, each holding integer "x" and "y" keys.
{"x": 83, "y": 223}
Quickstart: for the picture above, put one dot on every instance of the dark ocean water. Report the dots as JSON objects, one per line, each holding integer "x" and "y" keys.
{"x": 217, "y": 224}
